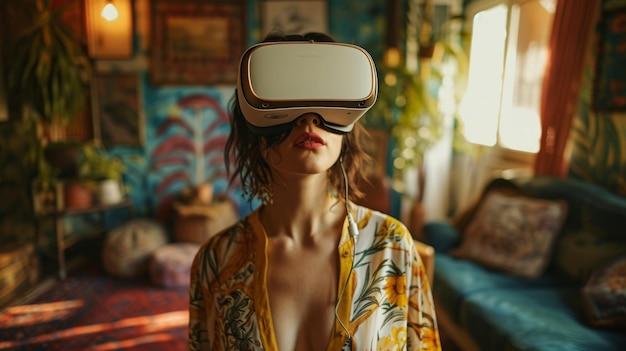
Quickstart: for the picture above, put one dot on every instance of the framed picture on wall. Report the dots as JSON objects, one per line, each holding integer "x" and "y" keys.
{"x": 197, "y": 42}
{"x": 294, "y": 17}
{"x": 118, "y": 116}
{"x": 609, "y": 91}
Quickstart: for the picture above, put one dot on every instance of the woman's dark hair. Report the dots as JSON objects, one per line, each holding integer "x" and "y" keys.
{"x": 245, "y": 149}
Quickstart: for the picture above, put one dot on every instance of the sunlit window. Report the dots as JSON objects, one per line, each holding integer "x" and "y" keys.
{"x": 507, "y": 59}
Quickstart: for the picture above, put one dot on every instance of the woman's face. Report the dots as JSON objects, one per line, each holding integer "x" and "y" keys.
{"x": 308, "y": 149}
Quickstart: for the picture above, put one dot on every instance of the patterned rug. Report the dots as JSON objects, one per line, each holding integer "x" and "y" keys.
{"x": 92, "y": 311}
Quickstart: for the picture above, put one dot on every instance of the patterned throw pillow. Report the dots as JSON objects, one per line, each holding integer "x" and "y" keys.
{"x": 512, "y": 233}
{"x": 604, "y": 295}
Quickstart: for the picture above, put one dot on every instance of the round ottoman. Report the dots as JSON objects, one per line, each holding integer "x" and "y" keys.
{"x": 127, "y": 249}
{"x": 170, "y": 264}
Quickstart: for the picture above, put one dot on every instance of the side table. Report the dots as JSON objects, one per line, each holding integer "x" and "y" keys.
{"x": 64, "y": 242}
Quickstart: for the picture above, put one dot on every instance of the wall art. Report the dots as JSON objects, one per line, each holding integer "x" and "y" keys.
{"x": 294, "y": 17}
{"x": 197, "y": 43}
{"x": 609, "y": 92}
{"x": 118, "y": 116}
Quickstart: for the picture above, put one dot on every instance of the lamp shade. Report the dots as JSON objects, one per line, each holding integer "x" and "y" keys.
{"x": 109, "y": 28}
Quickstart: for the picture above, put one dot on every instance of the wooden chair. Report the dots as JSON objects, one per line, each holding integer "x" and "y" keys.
{"x": 427, "y": 253}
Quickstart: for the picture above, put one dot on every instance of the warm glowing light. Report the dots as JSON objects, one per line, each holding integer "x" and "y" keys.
{"x": 109, "y": 12}
{"x": 109, "y": 28}
{"x": 391, "y": 79}
{"x": 153, "y": 326}
{"x": 24, "y": 315}
{"x": 481, "y": 105}
{"x": 391, "y": 57}
{"x": 507, "y": 63}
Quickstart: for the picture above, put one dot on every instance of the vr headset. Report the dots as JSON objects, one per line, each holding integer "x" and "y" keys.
{"x": 280, "y": 81}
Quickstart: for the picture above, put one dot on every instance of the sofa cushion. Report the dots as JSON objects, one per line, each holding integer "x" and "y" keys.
{"x": 513, "y": 233}
{"x": 500, "y": 185}
{"x": 604, "y": 295}
{"x": 578, "y": 251}
{"x": 533, "y": 319}
{"x": 457, "y": 279}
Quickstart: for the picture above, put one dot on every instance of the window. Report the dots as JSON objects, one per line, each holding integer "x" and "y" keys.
{"x": 509, "y": 49}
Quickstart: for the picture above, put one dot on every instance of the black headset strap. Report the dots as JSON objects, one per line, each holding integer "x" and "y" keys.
{"x": 285, "y": 127}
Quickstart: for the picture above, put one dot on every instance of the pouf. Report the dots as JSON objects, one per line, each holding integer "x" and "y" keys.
{"x": 170, "y": 264}
{"x": 127, "y": 249}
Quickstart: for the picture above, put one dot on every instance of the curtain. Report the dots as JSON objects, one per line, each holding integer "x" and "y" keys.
{"x": 572, "y": 25}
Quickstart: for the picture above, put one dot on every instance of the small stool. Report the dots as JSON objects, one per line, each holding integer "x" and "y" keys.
{"x": 171, "y": 263}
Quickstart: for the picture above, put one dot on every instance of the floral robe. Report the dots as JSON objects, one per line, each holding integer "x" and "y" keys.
{"x": 387, "y": 303}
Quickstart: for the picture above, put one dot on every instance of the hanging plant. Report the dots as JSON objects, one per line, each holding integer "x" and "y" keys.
{"x": 49, "y": 69}
{"x": 410, "y": 113}
{"x": 407, "y": 103}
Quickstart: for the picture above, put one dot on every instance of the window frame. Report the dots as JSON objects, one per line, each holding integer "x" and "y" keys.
{"x": 498, "y": 150}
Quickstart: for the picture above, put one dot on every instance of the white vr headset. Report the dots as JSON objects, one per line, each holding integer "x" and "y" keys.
{"x": 280, "y": 81}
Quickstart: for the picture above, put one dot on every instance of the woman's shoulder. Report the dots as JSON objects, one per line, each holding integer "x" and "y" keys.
{"x": 382, "y": 230}
{"x": 380, "y": 224}
{"x": 367, "y": 214}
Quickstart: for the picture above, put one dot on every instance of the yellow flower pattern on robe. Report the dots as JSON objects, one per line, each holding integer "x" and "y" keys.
{"x": 395, "y": 291}
{"x": 387, "y": 304}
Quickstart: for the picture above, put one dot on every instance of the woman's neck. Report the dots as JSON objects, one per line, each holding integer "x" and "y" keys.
{"x": 301, "y": 207}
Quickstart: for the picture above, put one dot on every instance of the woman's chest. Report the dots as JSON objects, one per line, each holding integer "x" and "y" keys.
{"x": 302, "y": 292}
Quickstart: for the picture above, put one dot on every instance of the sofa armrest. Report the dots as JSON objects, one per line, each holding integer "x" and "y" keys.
{"x": 441, "y": 235}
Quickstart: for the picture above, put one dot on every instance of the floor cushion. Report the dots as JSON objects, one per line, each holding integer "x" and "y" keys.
{"x": 170, "y": 264}
{"x": 127, "y": 249}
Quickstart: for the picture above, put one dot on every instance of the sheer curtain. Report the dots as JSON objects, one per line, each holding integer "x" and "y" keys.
{"x": 571, "y": 28}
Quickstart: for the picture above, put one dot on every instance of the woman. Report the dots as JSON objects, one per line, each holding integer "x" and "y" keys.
{"x": 292, "y": 275}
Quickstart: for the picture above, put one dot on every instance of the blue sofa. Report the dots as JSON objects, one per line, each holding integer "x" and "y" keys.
{"x": 484, "y": 308}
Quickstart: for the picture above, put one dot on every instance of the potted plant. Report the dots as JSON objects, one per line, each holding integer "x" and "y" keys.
{"x": 47, "y": 77}
{"x": 103, "y": 172}
{"x": 49, "y": 70}
{"x": 408, "y": 106}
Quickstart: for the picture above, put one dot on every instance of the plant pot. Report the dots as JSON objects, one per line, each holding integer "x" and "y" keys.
{"x": 77, "y": 196}
{"x": 110, "y": 192}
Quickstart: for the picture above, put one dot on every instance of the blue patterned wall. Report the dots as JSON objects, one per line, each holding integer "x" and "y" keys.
{"x": 180, "y": 120}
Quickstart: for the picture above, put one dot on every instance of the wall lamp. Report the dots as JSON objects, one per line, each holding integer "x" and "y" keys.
{"x": 109, "y": 28}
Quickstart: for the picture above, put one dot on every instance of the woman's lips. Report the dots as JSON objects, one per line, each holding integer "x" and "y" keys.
{"x": 309, "y": 141}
